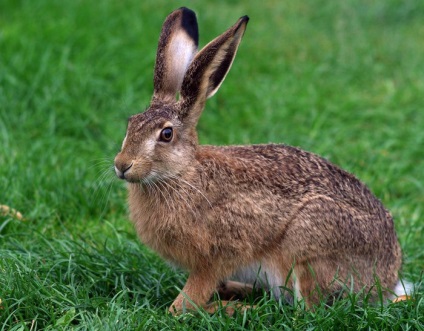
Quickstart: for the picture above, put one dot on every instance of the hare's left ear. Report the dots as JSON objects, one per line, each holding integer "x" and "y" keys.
{"x": 178, "y": 43}
{"x": 208, "y": 69}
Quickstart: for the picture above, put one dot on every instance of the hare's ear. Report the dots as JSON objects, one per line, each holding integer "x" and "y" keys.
{"x": 178, "y": 43}
{"x": 208, "y": 70}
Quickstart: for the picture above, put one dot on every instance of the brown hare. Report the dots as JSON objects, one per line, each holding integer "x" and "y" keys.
{"x": 232, "y": 214}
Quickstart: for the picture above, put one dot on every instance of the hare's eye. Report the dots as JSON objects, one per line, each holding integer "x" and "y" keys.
{"x": 166, "y": 135}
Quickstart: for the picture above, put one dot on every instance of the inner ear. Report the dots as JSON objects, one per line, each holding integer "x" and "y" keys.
{"x": 176, "y": 49}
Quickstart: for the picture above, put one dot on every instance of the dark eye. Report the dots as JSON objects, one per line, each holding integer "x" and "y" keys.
{"x": 166, "y": 135}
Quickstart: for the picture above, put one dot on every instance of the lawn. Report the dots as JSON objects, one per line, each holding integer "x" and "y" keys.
{"x": 343, "y": 79}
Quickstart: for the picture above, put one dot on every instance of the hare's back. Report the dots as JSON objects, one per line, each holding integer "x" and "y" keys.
{"x": 286, "y": 171}
{"x": 283, "y": 185}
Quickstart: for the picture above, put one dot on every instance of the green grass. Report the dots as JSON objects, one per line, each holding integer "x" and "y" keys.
{"x": 344, "y": 79}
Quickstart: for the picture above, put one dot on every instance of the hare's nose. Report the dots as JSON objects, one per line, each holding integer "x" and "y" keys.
{"x": 121, "y": 169}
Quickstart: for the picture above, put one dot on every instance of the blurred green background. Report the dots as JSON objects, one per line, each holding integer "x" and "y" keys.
{"x": 343, "y": 79}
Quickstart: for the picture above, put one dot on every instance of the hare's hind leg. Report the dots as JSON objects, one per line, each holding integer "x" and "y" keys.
{"x": 316, "y": 281}
{"x": 338, "y": 248}
{"x": 230, "y": 307}
{"x": 326, "y": 279}
{"x": 232, "y": 290}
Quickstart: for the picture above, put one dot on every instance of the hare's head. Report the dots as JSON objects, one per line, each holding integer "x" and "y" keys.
{"x": 161, "y": 141}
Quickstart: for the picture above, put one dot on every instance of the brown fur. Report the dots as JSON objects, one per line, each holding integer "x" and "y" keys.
{"x": 216, "y": 210}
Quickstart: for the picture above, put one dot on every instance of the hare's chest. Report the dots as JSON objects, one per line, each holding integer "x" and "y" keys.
{"x": 155, "y": 226}
{"x": 174, "y": 234}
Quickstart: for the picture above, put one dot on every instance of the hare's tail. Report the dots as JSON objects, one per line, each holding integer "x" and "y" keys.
{"x": 403, "y": 291}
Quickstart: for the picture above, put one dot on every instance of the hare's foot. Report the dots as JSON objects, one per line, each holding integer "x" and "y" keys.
{"x": 232, "y": 290}
{"x": 230, "y": 307}
{"x": 402, "y": 298}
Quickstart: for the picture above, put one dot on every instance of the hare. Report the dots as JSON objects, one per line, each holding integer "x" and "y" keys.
{"x": 230, "y": 214}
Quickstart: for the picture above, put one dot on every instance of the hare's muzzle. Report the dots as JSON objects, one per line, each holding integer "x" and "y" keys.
{"x": 121, "y": 173}
{"x": 122, "y": 167}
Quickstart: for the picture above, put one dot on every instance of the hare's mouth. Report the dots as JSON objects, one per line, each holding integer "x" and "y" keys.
{"x": 134, "y": 173}
{"x": 151, "y": 178}
{"x": 123, "y": 171}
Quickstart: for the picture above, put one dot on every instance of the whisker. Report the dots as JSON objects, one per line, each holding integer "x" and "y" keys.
{"x": 166, "y": 187}
{"x": 102, "y": 178}
{"x": 180, "y": 195}
{"x": 171, "y": 188}
{"x": 100, "y": 162}
{"x": 189, "y": 196}
{"x": 196, "y": 189}
{"x": 106, "y": 198}
{"x": 163, "y": 196}
{"x": 101, "y": 191}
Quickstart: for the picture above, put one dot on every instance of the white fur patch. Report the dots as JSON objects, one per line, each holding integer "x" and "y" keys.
{"x": 125, "y": 140}
{"x": 296, "y": 287}
{"x": 262, "y": 276}
{"x": 149, "y": 146}
{"x": 118, "y": 172}
{"x": 403, "y": 288}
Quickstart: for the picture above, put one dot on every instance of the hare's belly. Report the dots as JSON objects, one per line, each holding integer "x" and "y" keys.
{"x": 262, "y": 275}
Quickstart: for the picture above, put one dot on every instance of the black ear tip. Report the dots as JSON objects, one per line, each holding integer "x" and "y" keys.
{"x": 188, "y": 14}
{"x": 242, "y": 21}
{"x": 189, "y": 23}
{"x": 185, "y": 8}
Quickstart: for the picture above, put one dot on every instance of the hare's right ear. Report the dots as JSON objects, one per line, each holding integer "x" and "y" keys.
{"x": 208, "y": 70}
{"x": 178, "y": 44}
